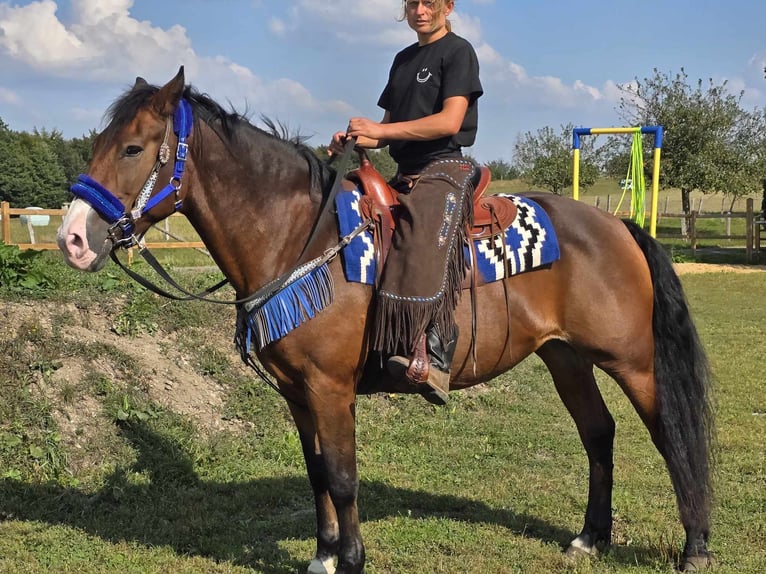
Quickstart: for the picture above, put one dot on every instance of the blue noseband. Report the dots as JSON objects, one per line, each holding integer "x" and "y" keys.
{"x": 111, "y": 209}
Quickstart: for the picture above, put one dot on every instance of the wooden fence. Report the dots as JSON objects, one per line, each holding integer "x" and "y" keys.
{"x": 754, "y": 238}
{"x": 171, "y": 240}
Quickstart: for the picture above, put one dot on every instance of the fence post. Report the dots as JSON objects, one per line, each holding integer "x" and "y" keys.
{"x": 5, "y": 215}
{"x": 693, "y": 232}
{"x": 31, "y": 230}
{"x": 749, "y": 225}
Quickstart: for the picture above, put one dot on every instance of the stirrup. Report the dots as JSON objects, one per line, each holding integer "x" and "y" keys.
{"x": 432, "y": 389}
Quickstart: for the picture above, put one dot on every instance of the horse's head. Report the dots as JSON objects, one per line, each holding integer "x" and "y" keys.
{"x": 133, "y": 179}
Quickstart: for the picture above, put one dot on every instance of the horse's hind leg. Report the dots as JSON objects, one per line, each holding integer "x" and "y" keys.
{"x": 677, "y": 436}
{"x": 573, "y": 376}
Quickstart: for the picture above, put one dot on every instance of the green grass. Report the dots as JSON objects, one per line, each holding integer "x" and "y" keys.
{"x": 494, "y": 483}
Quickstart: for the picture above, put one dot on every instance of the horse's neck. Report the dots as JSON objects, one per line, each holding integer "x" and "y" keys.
{"x": 254, "y": 218}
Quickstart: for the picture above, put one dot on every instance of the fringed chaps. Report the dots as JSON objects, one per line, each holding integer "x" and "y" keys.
{"x": 421, "y": 282}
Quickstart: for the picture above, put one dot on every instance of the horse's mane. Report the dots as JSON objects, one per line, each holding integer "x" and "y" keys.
{"x": 229, "y": 125}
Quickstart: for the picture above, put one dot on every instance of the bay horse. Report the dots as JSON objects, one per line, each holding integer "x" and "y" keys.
{"x": 611, "y": 301}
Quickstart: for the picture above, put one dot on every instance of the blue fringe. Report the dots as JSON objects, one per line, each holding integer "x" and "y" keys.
{"x": 288, "y": 309}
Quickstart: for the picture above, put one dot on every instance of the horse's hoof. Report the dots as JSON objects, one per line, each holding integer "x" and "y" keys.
{"x": 576, "y": 551}
{"x": 319, "y": 567}
{"x": 584, "y": 545}
{"x": 697, "y": 563}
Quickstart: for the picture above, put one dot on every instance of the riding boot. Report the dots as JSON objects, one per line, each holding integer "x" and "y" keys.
{"x": 434, "y": 387}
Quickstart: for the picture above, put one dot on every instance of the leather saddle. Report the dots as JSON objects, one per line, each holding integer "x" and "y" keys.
{"x": 491, "y": 215}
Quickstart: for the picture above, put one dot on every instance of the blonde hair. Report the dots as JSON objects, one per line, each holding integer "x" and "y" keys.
{"x": 438, "y": 8}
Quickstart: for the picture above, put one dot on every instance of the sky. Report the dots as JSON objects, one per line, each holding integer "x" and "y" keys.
{"x": 313, "y": 64}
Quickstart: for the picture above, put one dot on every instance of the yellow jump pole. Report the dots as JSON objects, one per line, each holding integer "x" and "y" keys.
{"x": 657, "y": 131}
{"x": 576, "y": 175}
{"x": 655, "y": 185}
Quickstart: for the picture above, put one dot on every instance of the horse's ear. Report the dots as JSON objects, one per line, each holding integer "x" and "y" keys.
{"x": 168, "y": 96}
{"x": 140, "y": 83}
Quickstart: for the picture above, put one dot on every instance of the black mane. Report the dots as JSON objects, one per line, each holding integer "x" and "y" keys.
{"x": 228, "y": 125}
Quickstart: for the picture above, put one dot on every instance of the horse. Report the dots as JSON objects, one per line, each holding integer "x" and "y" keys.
{"x": 257, "y": 197}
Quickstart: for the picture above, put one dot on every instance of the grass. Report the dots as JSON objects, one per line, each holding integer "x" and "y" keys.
{"x": 494, "y": 483}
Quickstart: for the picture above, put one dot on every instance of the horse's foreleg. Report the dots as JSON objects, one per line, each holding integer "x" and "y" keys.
{"x": 576, "y": 385}
{"x": 327, "y": 533}
{"x": 330, "y": 449}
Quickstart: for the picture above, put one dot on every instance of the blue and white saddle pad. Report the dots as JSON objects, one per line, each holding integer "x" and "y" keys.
{"x": 530, "y": 242}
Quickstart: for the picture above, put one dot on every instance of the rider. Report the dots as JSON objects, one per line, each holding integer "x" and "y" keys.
{"x": 430, "y": 104}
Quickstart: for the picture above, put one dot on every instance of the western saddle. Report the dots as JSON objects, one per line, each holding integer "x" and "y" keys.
{"x": 491, "y": 215}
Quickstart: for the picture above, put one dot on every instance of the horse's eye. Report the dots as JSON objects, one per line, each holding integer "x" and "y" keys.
{"x": 133, "y": 150}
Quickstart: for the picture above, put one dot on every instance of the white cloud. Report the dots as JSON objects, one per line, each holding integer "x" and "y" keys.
{"x": 33, "y": 35}
{"x": 375, "y": 22}
{"x": 105, "y": 43}
{"x": 277, "y": 26}
{"x": 8, "y": 97}
{"x": 467, "y": 26}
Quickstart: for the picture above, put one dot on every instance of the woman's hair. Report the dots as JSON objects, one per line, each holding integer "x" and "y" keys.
{"x": 438, "y": 7}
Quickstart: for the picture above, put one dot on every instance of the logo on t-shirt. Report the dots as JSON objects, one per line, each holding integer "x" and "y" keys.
{"x": 424, "y": 75}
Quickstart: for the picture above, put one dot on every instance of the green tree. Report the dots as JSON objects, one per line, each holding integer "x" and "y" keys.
{"x": 47, "y": 183}
{"x": 14, "y": 167}
{"x": 711, "y": 144}
{"x": 380, "y": 158}
{"x": 502, "y": 170}
{"x": 73, "y": 155}
{"x": 383, "y": 162}
{"x": 544, "y": 159}
{"x": 30, "y": 172}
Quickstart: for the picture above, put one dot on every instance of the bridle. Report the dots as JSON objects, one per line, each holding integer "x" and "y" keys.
{"x": 111, "y": 209}
{"x": 122, "y": 221}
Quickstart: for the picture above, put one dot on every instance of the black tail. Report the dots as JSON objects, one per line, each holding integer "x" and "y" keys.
{"x": 683, "y": 382}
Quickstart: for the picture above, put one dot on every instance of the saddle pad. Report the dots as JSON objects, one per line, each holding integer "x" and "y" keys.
{"x": 358, "y": 256}
{"x": 530, "y": 242}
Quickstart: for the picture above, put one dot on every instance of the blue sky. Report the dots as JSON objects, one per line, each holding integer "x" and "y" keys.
{"x": 312, "y": 64}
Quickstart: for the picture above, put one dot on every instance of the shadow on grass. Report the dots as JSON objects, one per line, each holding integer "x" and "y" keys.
{"x": 240, "y": 522}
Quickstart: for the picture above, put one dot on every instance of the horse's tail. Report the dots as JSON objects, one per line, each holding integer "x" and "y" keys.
{"x": 683, "y": 387}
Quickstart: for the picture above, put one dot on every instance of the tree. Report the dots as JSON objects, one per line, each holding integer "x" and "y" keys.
{"x": 711, "y": 144}
{"x": 501, "y": 169}
{"x": 544, "y": 159}
{"x": 73, "y": 155}
{"x": 30, "y": 170}
{"x": 380, "y": 158}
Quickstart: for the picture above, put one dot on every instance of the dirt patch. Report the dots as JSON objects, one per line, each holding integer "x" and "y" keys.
{"x": 170, "y": 378}
{"x": 684, "y": 268}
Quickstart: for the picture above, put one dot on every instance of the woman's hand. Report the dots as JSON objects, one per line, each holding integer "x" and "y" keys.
{"x": 337, "y": 144}
{"x": 365, "y": 128}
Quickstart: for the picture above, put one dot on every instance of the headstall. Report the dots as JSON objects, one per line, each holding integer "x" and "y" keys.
{"x": 111, "y": 209}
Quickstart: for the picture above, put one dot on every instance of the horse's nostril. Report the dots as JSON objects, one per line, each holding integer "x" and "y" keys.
{"x": 74, "y": 243}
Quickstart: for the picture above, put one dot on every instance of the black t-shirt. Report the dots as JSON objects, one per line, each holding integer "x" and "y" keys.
{"x": 421, "y": 78}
